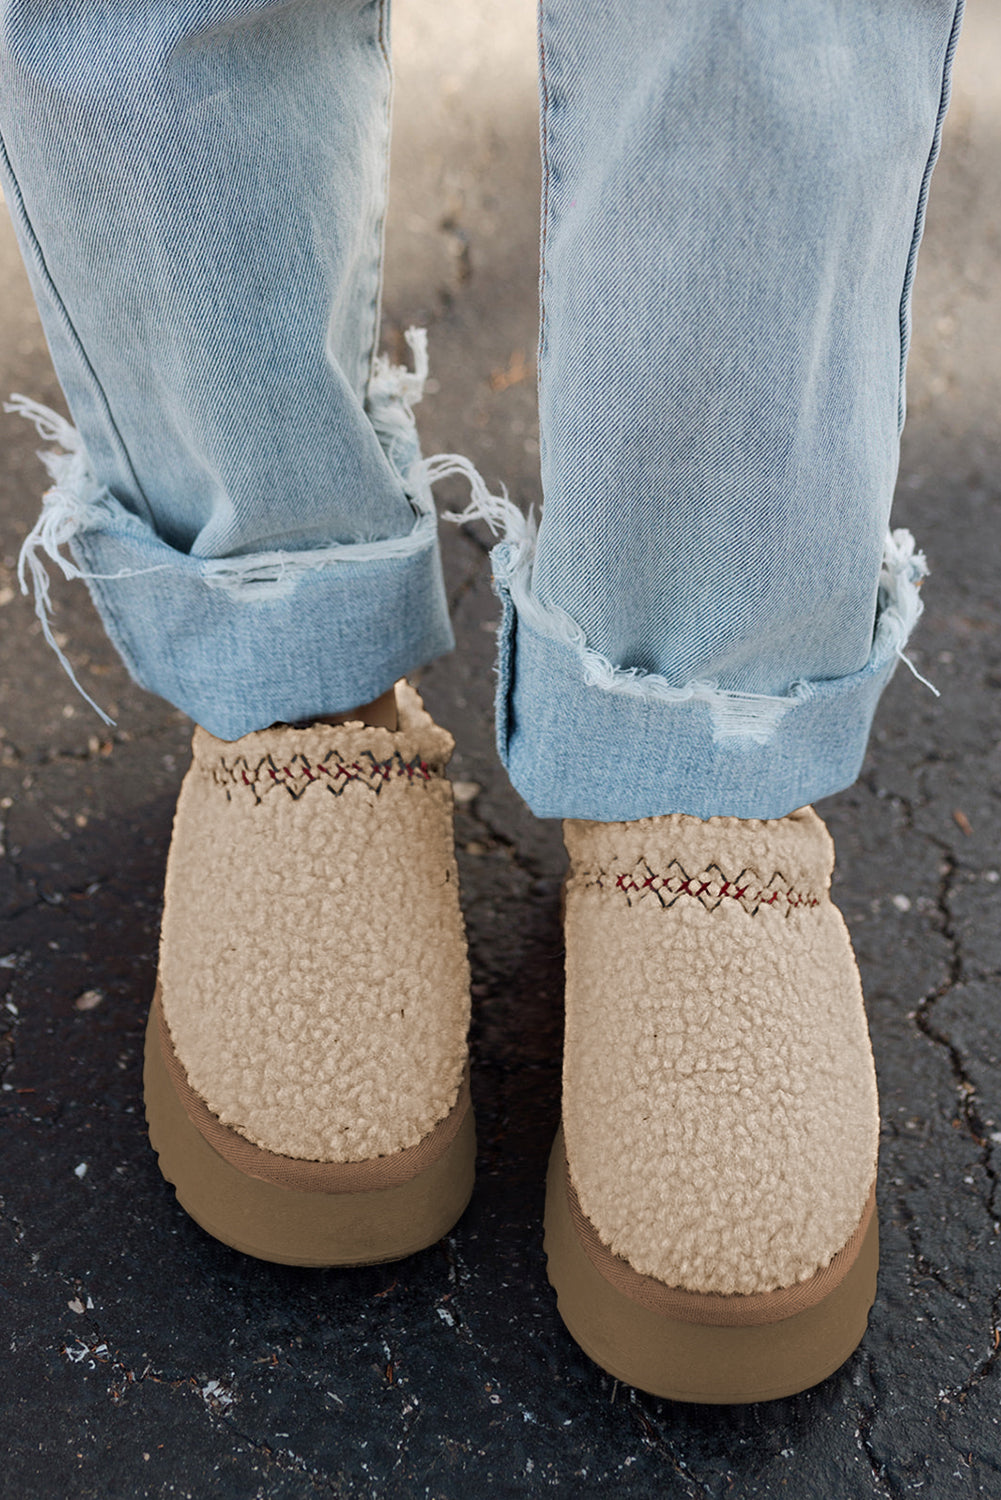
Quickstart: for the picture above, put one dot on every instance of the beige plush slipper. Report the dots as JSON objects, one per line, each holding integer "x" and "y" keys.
{"x": 306, "y": 1070}
{"x": 710, "y": 1221}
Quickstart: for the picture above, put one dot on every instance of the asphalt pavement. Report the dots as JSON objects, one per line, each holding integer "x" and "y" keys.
{"x": 141, "y": 1358}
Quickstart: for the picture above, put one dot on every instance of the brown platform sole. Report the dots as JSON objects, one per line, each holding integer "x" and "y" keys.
{"x": 292, "y": 1227}
{"x": 682, "y": 1360}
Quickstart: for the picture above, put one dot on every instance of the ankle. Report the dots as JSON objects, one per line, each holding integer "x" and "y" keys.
{"x": 381, "y": 713}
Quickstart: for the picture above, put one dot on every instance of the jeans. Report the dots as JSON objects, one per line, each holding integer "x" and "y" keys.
{"x": 733, "y": 197}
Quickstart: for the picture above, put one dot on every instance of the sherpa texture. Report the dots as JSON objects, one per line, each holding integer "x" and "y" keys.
{"x": 719, "y": 1096}
{"x": 313, "y": 958}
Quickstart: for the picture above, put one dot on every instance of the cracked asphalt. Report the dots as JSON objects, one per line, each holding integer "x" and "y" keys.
{"x": 143, "y": 1359}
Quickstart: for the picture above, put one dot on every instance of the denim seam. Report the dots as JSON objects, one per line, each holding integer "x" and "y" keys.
{"x": 920, "y": 209}
{"x": 544, "y": 154}
{"x": 42, "y": 269}
{"x": 382, "y": 38}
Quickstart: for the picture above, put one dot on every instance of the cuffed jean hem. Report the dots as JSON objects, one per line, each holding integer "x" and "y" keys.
{"x": 581, "y": 738}
{"x": 245, "y": 642}
{"x": 242, "y": 642}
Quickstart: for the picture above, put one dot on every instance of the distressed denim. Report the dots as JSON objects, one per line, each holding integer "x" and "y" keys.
{"x": 733, "y": 198}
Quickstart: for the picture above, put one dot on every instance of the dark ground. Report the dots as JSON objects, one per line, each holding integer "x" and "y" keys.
{"x": 143, "y": 1359}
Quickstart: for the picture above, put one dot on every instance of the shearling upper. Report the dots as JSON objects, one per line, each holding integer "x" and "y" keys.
{"x": 313, "y": 959}
{"x": 719, "y": 1093}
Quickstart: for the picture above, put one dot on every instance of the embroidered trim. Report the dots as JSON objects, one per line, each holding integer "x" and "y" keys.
{"x": 711, "y": 888}
{"x": 297, "y": 773}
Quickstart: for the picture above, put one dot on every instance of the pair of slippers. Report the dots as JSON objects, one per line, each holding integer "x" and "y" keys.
{"x": 710, "y": 1212}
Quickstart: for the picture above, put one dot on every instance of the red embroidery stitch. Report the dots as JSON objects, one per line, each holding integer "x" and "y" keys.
{"x": 677, "y": 883}
{"x": 297, "y": 775}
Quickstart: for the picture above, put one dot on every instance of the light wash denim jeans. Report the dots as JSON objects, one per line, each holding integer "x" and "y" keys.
{"x": 733, "y": 199}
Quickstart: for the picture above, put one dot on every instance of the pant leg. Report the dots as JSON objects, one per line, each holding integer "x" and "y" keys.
{"x": 198, "y": 189}
{"x": 733, "y": 197}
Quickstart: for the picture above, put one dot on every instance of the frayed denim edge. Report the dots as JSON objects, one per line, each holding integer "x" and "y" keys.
{"x": 734, "y": 716}
{"x": 75, "y": 505}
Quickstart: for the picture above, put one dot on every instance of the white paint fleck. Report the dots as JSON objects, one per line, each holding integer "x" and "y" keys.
{"x": 88, "y": 1000}
{"x": 80, "y": 1171}
{"x": 902, "y": 903}
{"x": 216, "y": 1395}
{"x": 75, "y": 1305}
{"x": 465, "y": 792}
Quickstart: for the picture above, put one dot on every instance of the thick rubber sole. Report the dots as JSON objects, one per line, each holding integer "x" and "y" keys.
{"x": 301, "y": 1228}
{"x": 681, "y": 1361}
